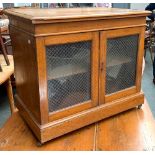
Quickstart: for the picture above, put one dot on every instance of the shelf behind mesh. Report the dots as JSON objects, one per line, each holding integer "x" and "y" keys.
{"x": 117, "y": 60}
{"x": 66, "y": 70}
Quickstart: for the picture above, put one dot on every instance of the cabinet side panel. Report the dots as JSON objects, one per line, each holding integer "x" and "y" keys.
{"x": 26, "y": 73}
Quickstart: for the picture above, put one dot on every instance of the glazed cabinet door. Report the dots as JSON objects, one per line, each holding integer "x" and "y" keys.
{"x": 71, "y": 63}
{"x": 121, "y": 55}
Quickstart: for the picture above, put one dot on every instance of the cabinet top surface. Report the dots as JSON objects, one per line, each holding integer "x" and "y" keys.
{"x": 41, "y": 15}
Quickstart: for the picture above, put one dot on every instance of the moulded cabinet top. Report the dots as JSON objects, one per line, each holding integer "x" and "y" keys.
{"x": 69, "y": 14}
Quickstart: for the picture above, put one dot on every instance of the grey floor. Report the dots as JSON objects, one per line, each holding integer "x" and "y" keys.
{"x": 147, "y": 86}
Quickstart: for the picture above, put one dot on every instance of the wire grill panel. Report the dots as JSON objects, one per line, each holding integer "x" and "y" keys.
{"x": 68, "y": 72}
{"x": 121, "y": 63}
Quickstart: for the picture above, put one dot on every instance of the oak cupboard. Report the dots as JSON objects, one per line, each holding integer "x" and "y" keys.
{"x": 74, "y": 67}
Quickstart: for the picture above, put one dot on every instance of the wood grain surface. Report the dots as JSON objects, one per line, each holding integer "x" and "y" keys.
{"x": 26, "y": 70}
{"x": 42, "y": 15}
{"x": 130, "y": 130}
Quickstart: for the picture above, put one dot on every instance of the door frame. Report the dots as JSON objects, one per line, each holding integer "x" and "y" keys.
{"x": 104, "y": 35}
{"x": 72, "y": 38}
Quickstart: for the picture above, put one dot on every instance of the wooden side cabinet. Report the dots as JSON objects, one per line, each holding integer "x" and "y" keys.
{"x": 74, "y": 67}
